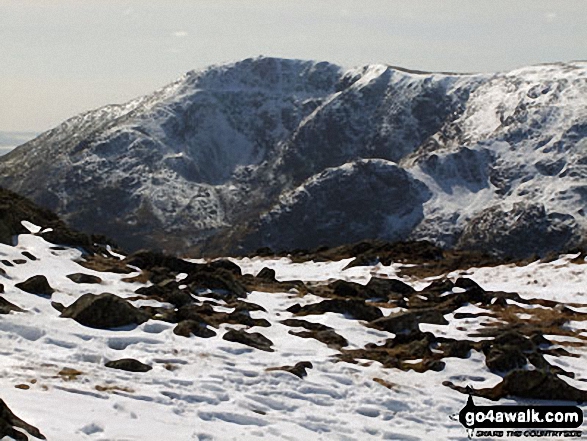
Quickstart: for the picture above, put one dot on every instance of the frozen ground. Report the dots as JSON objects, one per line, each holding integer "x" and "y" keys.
{"x": 212, "y": 389}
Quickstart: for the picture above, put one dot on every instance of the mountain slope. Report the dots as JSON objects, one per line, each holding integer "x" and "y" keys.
{"x": 227, "y": 159}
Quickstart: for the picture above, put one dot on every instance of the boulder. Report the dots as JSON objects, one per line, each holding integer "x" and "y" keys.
{"x": 389, "y": 288}
{"x": 356, "y": 309}
{"x": 128, "y": 364}
{"x": 104, "y": 311}
{"x": 84, "y": 278}
{"x": 6, "y": 306}
{"x": 253, "y": 339}
{"x": 536, "y": 385}
{"x": 329, "y": 337}
{"x": 36, "y": 285}
{"x": 299, "y": 370}
{"x": 406, "y": 322}
{"x": 9, "y": 422}
{"x": 351, "y": 290}
{"x": 267, "y": 274}
{"x": 186, "y": 328}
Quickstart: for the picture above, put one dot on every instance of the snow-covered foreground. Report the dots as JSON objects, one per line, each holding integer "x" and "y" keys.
{"x": 53, "y": 376}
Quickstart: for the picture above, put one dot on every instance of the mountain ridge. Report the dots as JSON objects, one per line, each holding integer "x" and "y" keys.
{"x": 206, "y": 163}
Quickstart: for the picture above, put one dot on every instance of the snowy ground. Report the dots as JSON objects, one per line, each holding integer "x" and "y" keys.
{"x": 212, "y": 389}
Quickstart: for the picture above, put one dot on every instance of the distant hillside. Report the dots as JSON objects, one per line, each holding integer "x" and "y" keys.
{"x": 289, "y": 153}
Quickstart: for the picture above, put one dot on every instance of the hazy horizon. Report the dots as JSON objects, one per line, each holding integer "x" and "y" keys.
{"x": 63, "y": 57}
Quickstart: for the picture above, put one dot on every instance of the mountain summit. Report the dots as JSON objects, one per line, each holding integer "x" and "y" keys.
{"x": 288, "y": 153}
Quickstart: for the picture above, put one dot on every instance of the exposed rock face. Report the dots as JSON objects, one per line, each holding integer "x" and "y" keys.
{"x": 104, "y": 311}
{"x": 290, "y": 154}
{"x": 362, "y": 199}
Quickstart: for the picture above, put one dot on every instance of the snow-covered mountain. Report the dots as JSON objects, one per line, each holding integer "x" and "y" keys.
{"x": 288, "y": 153}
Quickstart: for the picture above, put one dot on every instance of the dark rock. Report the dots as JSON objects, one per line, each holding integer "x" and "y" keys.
{"x": 84, "y": 278}
{"x": 389, "y": 288}
{"x": 536, "y": 384}
{"x": 36, "y": 285}
{"x": 28, "y": 255}
{"x": 253, "y": 339}
{"x": 243, "y": 317}
{"x": 149, "y": 259}
{"x": 328, "y": 336}
{"x": 295, "y": 308}
{"x": 504, "y": 358}
{"x": 297, "y": 323}
{"x": 225, "y": 264}
{"x": 58, "y": 306}
{"x": 299, "y": 370}
{"x": 439, "y": 287}
{"x": 6, "y": 306}
{"x": 351, "y": 290}
{"x": 198, "y": 328}
{"x": 458, "y": 348}
{"x": 219, "y": 279}
{"x": 1, "y": 288}
{"x": 129, "y": 364}
{"x": 167, "y": 292}
{"x": 104, "y": 311}
{"x": 406, "y": 322}
{"x": 248, "y": 306}
{"x": 267, "y": 274}
{"x": 356, "y": 309}
{"x": 7, "y": 262}
{"x": 9, "y": 422}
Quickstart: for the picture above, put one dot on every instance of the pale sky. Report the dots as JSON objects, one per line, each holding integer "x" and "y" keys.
{"x": 61, "y": 57}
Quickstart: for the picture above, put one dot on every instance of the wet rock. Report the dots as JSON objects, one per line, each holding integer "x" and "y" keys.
{"x": 9, "y": 422}
{"x": 104, "y": 311}
{"x": 356, "y": 309}
{"x": 84, "y": 278}
{"x": 185, "y": 328}
{"x": 129, "y": 364}
{"x": 36, "y": 285}
{"x": 253, "y": 339}
{"x": 299, "y": 370}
